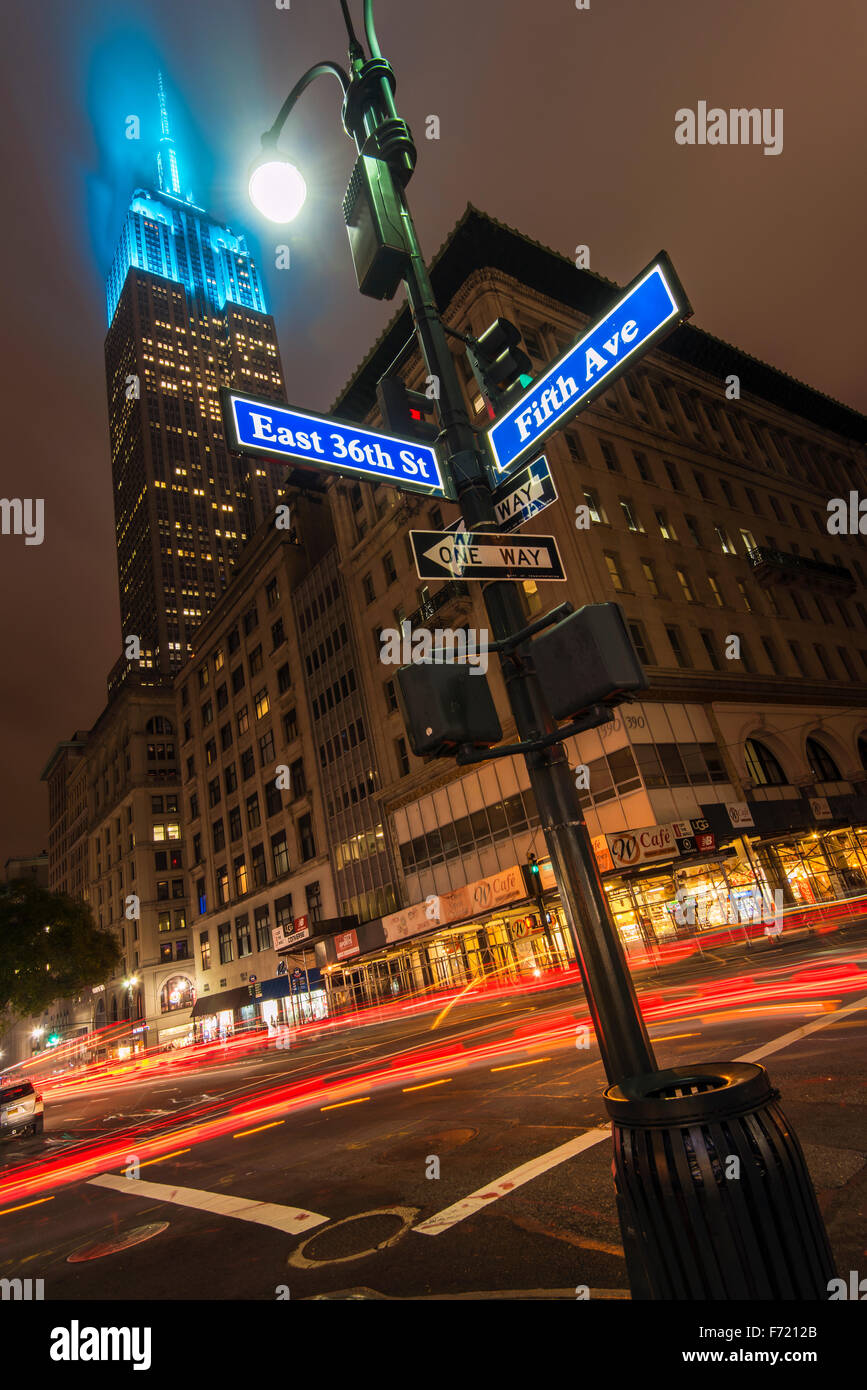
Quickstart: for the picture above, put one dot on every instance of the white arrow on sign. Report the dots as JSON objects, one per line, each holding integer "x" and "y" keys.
{"x": 461, "y": 554}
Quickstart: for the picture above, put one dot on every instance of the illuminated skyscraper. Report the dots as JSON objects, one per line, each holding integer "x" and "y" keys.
{"x": 187, "y": 315}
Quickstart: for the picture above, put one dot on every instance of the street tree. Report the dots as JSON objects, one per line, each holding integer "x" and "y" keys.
{"x": 50, "y": 948}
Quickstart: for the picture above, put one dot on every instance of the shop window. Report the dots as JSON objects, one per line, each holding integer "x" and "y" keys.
{"x": 822, "y": 765}
{"x": 624, "y": 773}
{"x": 263, "y": 929}
{"x": 641, "y": 643}
{"x": 242, "y": 933}
{"x": 515, "y": 813}
{"x": 649, "y": 765}
{"x": 314, "y": 901}
{"x": 305, "y": 838}
{"x": 672, "y": 763}
{"x": 762, "y": 766}
{"x": 283, "y": 912}
{"x": 280, "y": 853}
{"x": 177, "y": 993}
{"x": 481, "y": 829}
{"x": 257, "y": 861}
{"x": 223, "y": 884}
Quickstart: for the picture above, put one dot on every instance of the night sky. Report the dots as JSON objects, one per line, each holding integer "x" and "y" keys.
{"x": 557, "y": 121}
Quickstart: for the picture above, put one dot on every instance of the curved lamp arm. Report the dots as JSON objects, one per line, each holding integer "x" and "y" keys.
{"x": 271, "y": 136}
{"x": 370, "y": 31}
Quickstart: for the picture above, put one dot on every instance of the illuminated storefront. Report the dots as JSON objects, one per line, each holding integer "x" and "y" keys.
{"x": 517, "y": 940}
{"x": 729, "y": 893}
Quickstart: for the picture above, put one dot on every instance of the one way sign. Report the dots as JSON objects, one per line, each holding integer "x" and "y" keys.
{"x": 485, "y": 555}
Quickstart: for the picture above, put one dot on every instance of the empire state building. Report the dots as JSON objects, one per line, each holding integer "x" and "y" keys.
{"x": 187, "y": 316}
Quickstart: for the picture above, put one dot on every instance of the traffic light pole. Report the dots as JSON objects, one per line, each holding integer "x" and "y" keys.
{"x": 620, "y": 1030}
{"x": 689, "y": 1232}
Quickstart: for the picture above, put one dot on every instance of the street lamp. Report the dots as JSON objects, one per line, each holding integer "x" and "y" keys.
{"x": 277, "y": 189}
{"x": 687, "y": 1137}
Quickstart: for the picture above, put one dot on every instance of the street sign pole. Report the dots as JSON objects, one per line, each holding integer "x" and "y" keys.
{"x": 688, "y": 1231}
{"x": 620, "y": 1030}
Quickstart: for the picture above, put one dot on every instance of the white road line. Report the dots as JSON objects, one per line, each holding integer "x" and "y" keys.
{"x": 825, "y": 1022}
{"x": 291, "y": 1219}
{"x": 467, "y": 1206}
{"x": 501, "y": 1187}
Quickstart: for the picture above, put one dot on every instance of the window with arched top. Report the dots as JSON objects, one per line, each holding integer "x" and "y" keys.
{"x": 158, "y": 724}
{"x": 177, "y": 993}
{"x": 762, "y": 766}
{"x": 822, "y": 765}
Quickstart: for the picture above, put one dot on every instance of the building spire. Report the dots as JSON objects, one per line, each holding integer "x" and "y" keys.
{"x": 167, "y": 159}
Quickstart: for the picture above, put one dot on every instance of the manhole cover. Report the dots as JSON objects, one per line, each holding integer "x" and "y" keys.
{"x": 135, "y": 1236}
{"x": 354, "y": 1237}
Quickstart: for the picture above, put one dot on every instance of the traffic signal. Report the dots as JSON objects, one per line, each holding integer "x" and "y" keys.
{"x": 500, "y": 366}
{"x": 587, "y": 659}
{"x": 533, "y": 865}
{"x": 444, "y": 706}
{"x": 408, "y": 414}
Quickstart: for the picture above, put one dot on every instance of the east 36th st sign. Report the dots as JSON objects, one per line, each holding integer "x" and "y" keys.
{"x": 257, "y": 426}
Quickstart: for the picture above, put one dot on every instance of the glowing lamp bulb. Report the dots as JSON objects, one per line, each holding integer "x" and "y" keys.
{"x": 277, "y": 190}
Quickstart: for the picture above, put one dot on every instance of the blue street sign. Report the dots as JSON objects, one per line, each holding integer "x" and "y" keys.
{"x": 651, "y": 306}
{"x": 258, "y": 426}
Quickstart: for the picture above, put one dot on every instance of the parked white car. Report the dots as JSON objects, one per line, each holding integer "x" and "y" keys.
{"x": 21, "y": 1109}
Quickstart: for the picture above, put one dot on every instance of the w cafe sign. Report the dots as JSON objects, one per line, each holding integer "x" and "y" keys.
{"x": 659, "y": 842}
{"x": 485, "y": 894}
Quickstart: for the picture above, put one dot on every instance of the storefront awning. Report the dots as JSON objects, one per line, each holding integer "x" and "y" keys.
{"x": 276, "y": 988}
{"x": 218, "y": 1003}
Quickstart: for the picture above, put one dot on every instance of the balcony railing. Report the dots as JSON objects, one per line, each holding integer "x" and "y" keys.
{"x": 779, "y": 567}
{"x": 453, "y": 589}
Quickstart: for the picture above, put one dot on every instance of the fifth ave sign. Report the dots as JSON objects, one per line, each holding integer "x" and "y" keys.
{"x": 650, "y": 308}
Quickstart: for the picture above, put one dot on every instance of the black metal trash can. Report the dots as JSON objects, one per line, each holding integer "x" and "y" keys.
{"x": 713, "y": 1193}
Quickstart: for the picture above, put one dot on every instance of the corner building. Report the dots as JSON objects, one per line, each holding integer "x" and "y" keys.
{"x": 260, "y": 875}
{"x": 703, "y": 513}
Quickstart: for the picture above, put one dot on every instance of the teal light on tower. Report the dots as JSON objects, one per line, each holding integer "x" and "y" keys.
{"x": 167, "y": 234}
